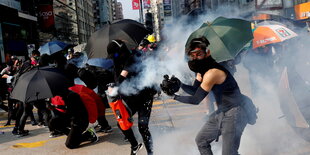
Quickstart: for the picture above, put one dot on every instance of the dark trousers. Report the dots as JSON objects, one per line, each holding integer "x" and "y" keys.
{"x": 24, "y": 110}
{"x": 229, "y": 124}
{"x": 12, "y": 110}
{"x": 44, "y": 113}
{"x": 74, "y": 131}
{"x": 144, "y": 113}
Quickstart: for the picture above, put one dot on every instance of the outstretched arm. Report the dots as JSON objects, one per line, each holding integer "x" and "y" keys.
{"x": 191, "y": 89}
{"x": 212, "y": 77}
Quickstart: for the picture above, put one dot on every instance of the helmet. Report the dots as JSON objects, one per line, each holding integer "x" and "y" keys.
{"x": 151, "y": 38}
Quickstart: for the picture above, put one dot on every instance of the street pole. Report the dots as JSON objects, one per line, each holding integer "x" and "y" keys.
{"x": 141, "y": 12}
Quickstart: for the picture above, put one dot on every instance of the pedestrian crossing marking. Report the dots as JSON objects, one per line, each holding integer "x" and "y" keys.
{"x": 8, "y": 126}
{"x": 34, "y": 144}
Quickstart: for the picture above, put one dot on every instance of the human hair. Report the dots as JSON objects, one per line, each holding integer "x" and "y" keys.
{"x": 35, "y": 53}
{"x": 201, "y": 42}
{"x": 116, "y": 46}
{"x": 88, "y": 78}
{"x": 44, "y": 60}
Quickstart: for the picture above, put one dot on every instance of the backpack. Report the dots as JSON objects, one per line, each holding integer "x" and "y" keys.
{"x": 250, "y": 109}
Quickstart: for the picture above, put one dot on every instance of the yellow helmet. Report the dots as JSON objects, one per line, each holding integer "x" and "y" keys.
{"x": 151, "y": 38}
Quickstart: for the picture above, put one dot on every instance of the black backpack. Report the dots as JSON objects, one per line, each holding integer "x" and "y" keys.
{"x": 250, "y": 109}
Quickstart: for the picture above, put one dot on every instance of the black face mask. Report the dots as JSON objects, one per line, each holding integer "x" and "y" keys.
{"x": 201, "y": 65}
{"x": 120, "y": 58}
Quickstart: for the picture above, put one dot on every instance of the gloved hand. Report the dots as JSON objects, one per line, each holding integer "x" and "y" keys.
{"x": 112, "y": 92}
{"x": 170, "y": 86}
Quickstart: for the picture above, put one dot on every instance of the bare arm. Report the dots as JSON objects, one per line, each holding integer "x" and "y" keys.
{"x": 210, "y": 78}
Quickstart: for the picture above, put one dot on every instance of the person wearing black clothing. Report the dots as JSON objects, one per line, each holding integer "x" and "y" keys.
{"x": 127, "y": 66}
{"x": 71, "y": 119}
{"x": 24, "y": 109}
{"x": 229, "y": 120}
{"x": 102, "y": 77}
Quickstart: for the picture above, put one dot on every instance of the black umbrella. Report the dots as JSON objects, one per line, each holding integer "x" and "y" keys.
{"x": 130, "y": 31}
{"x": 40, "y": 83}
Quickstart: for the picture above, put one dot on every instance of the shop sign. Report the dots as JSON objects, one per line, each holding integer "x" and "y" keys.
{"x": 147, "y": 4}
{"x": 46, "y": 17}
{"x": 302, "y": 11}
{"x": 167, "y": 7}
{"x": 135, "y": 4}
{"x": 167, "y": 2}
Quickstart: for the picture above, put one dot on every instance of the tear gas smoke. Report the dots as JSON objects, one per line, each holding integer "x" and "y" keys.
{"x": 270, "y": 135}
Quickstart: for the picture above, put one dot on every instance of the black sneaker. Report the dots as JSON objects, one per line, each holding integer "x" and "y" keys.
{"x": 136, "y": 149}
{"x": 15, "y": 131}
{"x": 40, "y": 123}
{"x": 55, "y": 134}
{"x": 106, "y": 129}
{"x": 23, "y": 133}
{"x": 34, "y": 123}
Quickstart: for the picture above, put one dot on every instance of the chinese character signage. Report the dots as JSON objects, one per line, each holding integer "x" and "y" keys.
{"x": 135, "y": 4}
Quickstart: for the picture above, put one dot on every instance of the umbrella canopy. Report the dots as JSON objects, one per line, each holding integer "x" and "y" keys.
{"x": 52, "y": 47}
{"x": 40, "y": 83}
{"x": 130, "y": 31}
{"x": 100, "y": 62}
{"x": 227, "y": 36}
{"x": 268, "y": 34}
{"x": 294, "y": 96}
{"x": 288, "y": 102}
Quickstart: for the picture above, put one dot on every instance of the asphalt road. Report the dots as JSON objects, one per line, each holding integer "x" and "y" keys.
{"x": 174, "y": 127}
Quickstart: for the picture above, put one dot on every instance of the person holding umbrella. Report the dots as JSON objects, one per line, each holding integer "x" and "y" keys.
{"x": 126, "y": 68}
{"x": 229, "y": 120}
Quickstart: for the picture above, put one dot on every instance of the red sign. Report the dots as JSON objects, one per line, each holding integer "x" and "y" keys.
{"x": 147, "y": 4}
{"x": 46, "y": 17}
{"x": 135, "y": 4}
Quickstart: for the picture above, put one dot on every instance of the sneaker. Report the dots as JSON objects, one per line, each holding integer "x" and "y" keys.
{"x": 94, "y": 138}
{"x": 40, "y": 123}
{"x": 23, "y": 133}
{"x": 15, "y": 131}
{"x": 136, "y": 149}
{"x": 55, "y": 134}
{"x": 126, "y": 139}
{"x": 106, "y": 130}
{"x": 34, "y": 123}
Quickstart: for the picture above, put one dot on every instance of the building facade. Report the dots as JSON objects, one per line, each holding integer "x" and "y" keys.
{"x": 66, "y": 25}
{"x": 85, "y": 18}
{"x": 18, "y": 27}
{"x": 119, "y": 11}
{"x": 102, "y": 12}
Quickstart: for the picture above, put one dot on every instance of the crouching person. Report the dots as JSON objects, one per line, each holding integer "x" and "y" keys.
{"x": 72, "y": 119}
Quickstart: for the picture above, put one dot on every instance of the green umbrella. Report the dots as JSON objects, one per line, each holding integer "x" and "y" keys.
{"x": 227, "y": 36}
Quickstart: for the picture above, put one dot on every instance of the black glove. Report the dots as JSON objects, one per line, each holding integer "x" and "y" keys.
{"x": 170, "y": 86}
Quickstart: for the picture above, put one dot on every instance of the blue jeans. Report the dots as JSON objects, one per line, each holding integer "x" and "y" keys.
{"x": 229, "y": 124}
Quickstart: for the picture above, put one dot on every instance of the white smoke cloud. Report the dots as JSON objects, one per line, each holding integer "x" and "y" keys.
{"x": 270, "y": 135}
